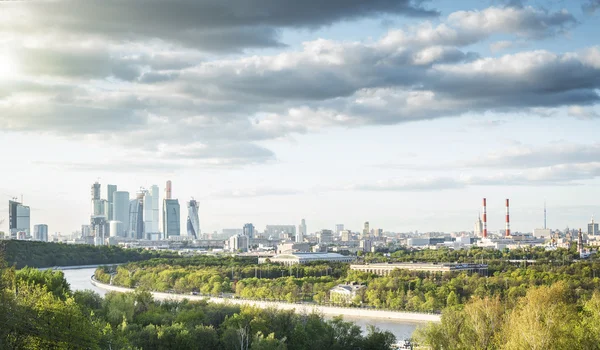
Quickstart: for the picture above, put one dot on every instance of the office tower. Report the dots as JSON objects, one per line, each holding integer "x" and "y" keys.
{"x": 193, "y": 222}
{"x": 249, "y": 230}
{"x": 121, "y": 212}
{"x": 19, "y": 219}
{"x": 339, "y": 228}
{"x": 366, "y": 230}
{"x": 168, "y": 190}
{"x": 171, "y": 217}
{"x": 96, "y": 191}
{"x": 593, "y": 228}
{"x": 155, "y": 208}
{"x": 110, "y": 190}
{"x": 116, "y": 228}
{"x": 40, "y": 232}
{"x": 136, "y": 218}
{"x": 301, "y": 231}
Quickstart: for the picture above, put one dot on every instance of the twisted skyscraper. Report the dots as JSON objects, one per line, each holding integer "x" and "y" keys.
{"x": 193, "y": 222}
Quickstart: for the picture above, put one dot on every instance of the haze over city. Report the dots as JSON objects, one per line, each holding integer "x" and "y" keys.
{"x": 401, "y": 113}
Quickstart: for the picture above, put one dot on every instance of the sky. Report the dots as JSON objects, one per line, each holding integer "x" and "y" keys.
{"x": 403, "y": 113}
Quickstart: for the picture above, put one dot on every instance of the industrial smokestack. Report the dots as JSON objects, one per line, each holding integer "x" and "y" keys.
{"x": 484, "y": 219}
{"x": 507, "y": 232}
{"x": 168, "y": 190}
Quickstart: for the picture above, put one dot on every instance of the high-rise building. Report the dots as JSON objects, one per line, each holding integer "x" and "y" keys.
{"x": 249, "y": 230}
{"x": 339, "y": 228}
{"x": 366, "y": 230}
{"x": 110, "y": 190}
{"x": 19, "y": 218}
{"x": 593, "y": 228}
{"x": 301, "y": 231}
{"x": 193, "y": 221}
{"x": 40, "y": 232}
{"x": 155, "y": 208}
{"x": 171, "y": 218}
{"x": 478, "y": 231}
{"x": 121, "y": 212}
{"x": 136, "y": 218}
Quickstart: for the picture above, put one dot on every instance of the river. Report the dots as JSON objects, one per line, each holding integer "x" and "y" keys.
{"x": 79, "y": 279}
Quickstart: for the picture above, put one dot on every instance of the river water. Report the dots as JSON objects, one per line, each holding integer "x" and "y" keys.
{"x": 79, "y": 279}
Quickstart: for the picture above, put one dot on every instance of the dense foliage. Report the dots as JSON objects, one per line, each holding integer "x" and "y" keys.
{"x": 401, "y": 290}
{"x": 42, "y": 254}
{"x": 547, "y": 317}
{"x": 38, "y": 311}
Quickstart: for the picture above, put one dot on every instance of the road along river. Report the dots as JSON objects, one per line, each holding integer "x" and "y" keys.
{"x": 401, "y": 324}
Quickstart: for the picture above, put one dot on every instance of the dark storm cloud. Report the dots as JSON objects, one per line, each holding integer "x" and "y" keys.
{"x": 217, "y": 25}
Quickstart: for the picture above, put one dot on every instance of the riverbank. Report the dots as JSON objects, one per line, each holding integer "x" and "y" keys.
{"x": 300, "y": 308}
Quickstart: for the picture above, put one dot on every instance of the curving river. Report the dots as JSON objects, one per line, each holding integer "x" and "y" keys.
{"x": 79, "y": 279}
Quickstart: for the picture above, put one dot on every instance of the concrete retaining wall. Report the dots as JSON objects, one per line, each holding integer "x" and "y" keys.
{"x": 300, "y": 308}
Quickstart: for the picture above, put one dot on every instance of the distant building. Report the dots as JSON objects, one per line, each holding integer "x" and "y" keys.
{"x": 228, "y": 232}
{"x": 19, "y": 218}
{"x": 366, "y": 230}
{"x": 366, "y": 245}
{"x": 171, "y": 218}
{"x": 238, "y": 243}
{"x": 325, "y": 236}
{"x": 301, "y": 231}
{"x": 287, "y": 248}
{"x": 110, "y": 190}
{"x": 542, "y": 233}
{"x": 345, "y": 293}
{"x": 121, "y": 212}
{"x": 136, "y": 219}
{"x": 346, "y": 235}
{"x": 249, "y": 230}
{"x": 593, "y": 228}
{"x": 339, "y": 228}
{"x": 304, "y": 258}
{"x": 384, "y": 269}
{"x": 40, "y": 232}
{"x": 151, "y": 210}
{"x": 193, "y": 221}
{"x": 478, "y": 231}
{"x": 277, "y": 230}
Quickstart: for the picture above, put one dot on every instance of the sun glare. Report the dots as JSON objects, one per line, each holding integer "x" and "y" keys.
{"x": 8, "y": 66}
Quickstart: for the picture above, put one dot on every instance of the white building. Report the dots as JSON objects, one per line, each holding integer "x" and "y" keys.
{"x": 325, "y": 236}
{"x": 344, "y": 293}
{"x": 238, "y": 243}
{"x": 304, "y": 258}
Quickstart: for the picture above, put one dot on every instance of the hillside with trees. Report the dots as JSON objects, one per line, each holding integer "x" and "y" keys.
{"x": 39, "y": 311}
{"x": 44, "y": 254}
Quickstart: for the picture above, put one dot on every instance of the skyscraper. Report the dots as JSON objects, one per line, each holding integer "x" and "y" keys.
{"x": 339, "y": 228}
{"x": 121, "y": 212}
{"x": 136, "y": 218}
{"x": 19, "y": 219}
{"x": 593, "y": 228}
{"x": 40, "y": 232}
{"x": 193, "y": 222}
{"x": 110, "y": 190}
{"x": 171, "y": 218}
{"x": 301, "y": 231}
{"x": 366, "y": 230}
{"x": 249, "y": 230}
{"x": 155, "y": 208}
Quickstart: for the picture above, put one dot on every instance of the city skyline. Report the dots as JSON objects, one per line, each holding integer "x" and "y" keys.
{"x": 401, "y": 113}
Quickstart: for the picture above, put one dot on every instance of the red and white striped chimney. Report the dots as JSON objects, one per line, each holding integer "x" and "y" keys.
{"x": 484, "y": 219}
{"x": 507, "y": 232}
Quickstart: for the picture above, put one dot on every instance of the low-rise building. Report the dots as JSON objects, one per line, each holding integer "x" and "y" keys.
{"x": 304, "y": 258}
{"x": 345, "y": 293}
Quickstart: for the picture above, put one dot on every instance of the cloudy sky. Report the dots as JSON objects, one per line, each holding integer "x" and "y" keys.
{"x": 404, "y": 113}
